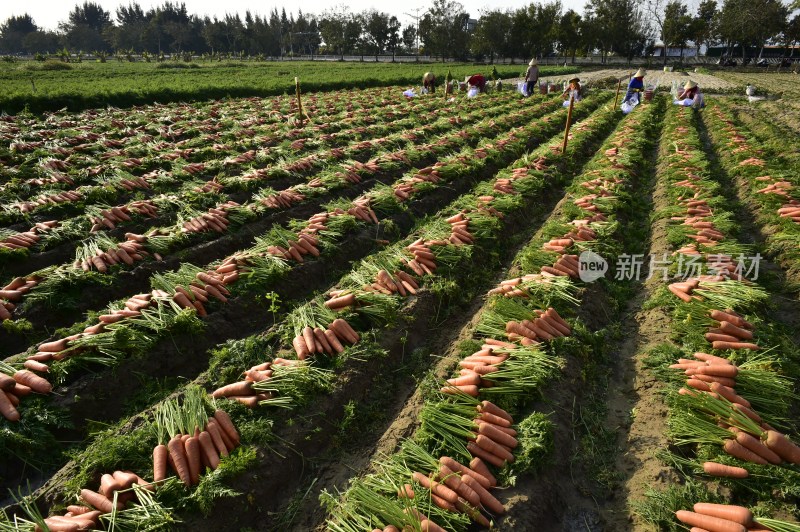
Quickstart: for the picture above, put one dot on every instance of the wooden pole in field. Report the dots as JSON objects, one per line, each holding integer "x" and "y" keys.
{"x": 299, "y": 101}
{"x": 569, "y": 119}
{"x": 616, "y": 98}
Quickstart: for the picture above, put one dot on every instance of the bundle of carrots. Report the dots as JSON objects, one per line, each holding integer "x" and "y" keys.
{"x": 13, "y": 387}
{"x": 361, "y": 210}
{"x": 53, "y": 177}
{"x": 27, "y": 238}
{"x": 307, "y": 240}
{"x": 424, "y": 261}
{"x": 243, "y": 391}
{"x": 109, "y": 218}
{"x": 313, "y": 340}
{"x": 546, "y": 326}
{"x": 791, "y": 210}
{"x": 732, "y": 331}
{"x": 483, "y": 205}
{"x": 719, "y": 518}
{"x": 128, "y": 252}
{"x": 459, "y": 230}
{"x": 779, "y": 188}
{"x": 242, "y": 158}
{"x": 49, "y": 199}
{"x": 211, "y": 283}
{"x": 134, "y": 183}
{"x": 565, "y": 266}
{"x": 12, "y": 293}
{"x": 494, "y": 439}
{"x": 189, "y": 455}
{"x": 191, "y": 168}
{"x": 216, "y": 219}
{"x": 683, "y": 289}
{"x": 753, "y": 161}
{"x": 716, "y": 377}
{"x": 209, "y": 186}
{"x": 385, "y": 283}
{"x": 457, "y": 488}
{"x": 405, "y": 187}
{"x": 119, "y": 484}
{"x": 283, "y": 199}
{"x": 301, "y": 165}
{"x": 509, "y": 287}
{"x": 475, "y": 367}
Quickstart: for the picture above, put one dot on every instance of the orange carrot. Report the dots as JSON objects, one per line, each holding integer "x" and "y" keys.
{"x": 160, "y": 454}
{"x": 96, "y": 500}
{"x": 193, "y": 459}
{"x": 678, "y": 292}
{"x": 341, "y": 302}
{"x": 477, "y": 465}
{"x": 33, "y": 381}
{"x": 722, "y": 470}
{"x": 209, "y": 452}
{"x": 439, "y": 489}
{"x": 7, "y": 409}
{"x": 319, "y": 336}
{"x": 711, "y": 359}
{"x": 227, "y": 425}
{"x": 489, "y": 430}
{"x": 754, "y": 444}
{"x": 491, "y": 418}
{"x": 488, "y": 444}
{"x": 464, "y": 470}
{"x": 406, "y": 492}
{"x": 735, "y": 345}
{"x": 241, "y": 388}
{"x": 455, "y": 483}
{"x": 469, "y": 389}
{"x": 487, "y": 499}
{"x": 719, "y": 370}
{"x": 333, "y": 341}
{"x": 491, "y": 408}
{"x": 736, "y": 320}
{"x": 479, "y": 452}
{"x": 730, "y": 383}
{"x": 783, "y": 447}
{"x": 729, "y": 394}
{"x": 178, "y": 455}
{"x": 708, "y": 522}
{"x": 737, "y": 514}
{"x": 735, "y": 449}
{"x": 215, "y": 432}
{"x": 719, "y": 337}
{"x": 464, "y": 380}
{"x": 300, "y": 347}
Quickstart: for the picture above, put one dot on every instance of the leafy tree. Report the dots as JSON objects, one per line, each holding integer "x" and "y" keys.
{"x": 492, "y": 34}
{"x": 13, "y": 32}
{"x": 703, "y": 24}
{"x": 340, "y": 30}
{"x": 677, "y": 26}
{"x": 751, "y": 22}
{"x": 394, "y": 36}
{"x": 443, "y": 29}
{"x": 409, "y": 39}
{"x": 570, "y": 33}
{"x": 376, "y": 30}
{"x": 619, "y": 27}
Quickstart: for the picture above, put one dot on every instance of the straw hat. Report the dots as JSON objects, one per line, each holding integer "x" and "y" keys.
{"x": 574, "y": 79}
{"x": 639, "y": 73}
{"x": 533, "y": 62}
{"x": 690, "y": 85}
{"x": 428, "y": 76}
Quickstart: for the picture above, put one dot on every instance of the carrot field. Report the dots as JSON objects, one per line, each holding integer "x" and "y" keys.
{"x": 386, "y": 313}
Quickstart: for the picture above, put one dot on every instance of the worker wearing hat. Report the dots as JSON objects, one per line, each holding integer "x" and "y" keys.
{"x": 573, "y": 89}
{"x": 635, "y": 87}
{"x": 429, "y": 81}
{"x": 691, "y": 96}
{"x": 531, "y": 76}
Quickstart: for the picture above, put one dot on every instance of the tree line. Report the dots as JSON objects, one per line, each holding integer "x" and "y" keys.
{"x": 626, "y": 28}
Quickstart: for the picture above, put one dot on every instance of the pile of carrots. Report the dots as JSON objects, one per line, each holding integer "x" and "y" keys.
{"x": 510, "y": 287}
{"x": 133, "y": 183}
{"x": 732, "y": 331}
{"x": 14, "y": 387}
{"x": 189, "y": 455}
{"x": 53, "y": 177}
{"x": 283, "y": 199}
{"x": 28, "y": 238}
{"x": 547, "y": 325}
{"x": 361, "y": 210}
{"x": 193, "y": 168}
{"x": 243, "y": 391}
{"x": 405, "y": 187}
{"x": 791, "y": 210}
{"x": 475, "y": 367}
{"x": 716, "y": 376}
{"x": 242, "y": 158}
{"x": 49, "y": 199}
{"x": 128, "y": 252}
{"x": 424, "y": 261}
{"x": 109, "y": 218}
{"x": 328, "y": 341}
{"x": 216, "y": 219}
{"x": 711, "y": 517}
{"x": 211, "y": 283}
{"x": 209, "y": 186}
{"x": 301, "y": 165}
{"x": 459, "y": 230}
{"x": 306, "y": 242}
{"x": 12, "y": 293}
{"x": 779, "y": 187}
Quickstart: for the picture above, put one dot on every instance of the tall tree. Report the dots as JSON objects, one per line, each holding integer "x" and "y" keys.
{"x": 677, "y": 26}
{"x": 394, "y": 36}
{"x": 340, "y": 30}
{"x": 619, "y": 27}
{"x": 410, "y": 39}
{"x": 492, "y": 34}
{"x": 570, "y": 34}
{"x": 751, "y": 22}
{"x": 13, "y": 32}
{"x": 443, "y": 29}
{"x": 86, "y": 27}
{"x": 376, "y": 30}
{"x": 703, "y": 24}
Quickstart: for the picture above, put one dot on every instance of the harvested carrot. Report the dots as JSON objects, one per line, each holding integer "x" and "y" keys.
{"x": 491, "y": 408}
{"x": 227, "y": 425}
{"x": 242, "y": 388}
{"x": 495, "y": 420}
{"x": 735, "y": 345}
{"x": 464, "y": 470}
{"x": 754, "y": 444}
{"x": 178, "y": 455}
{"x": 33, "y": 381}
{"x": 97, "y": 500}
{"x": 406, "y": 492}
{"x": 160, "y": 456}
{"x": 721, "y": 470}
{"x": 453, "y": 481}
{"x": 708, "y": 522}
{"x": 443, "y": 504}
{"x": 319, "y": 336}
{"x": 209, "y": 452}
{"x": 193, "y": 459}
{"x": 489, "y": 430}
{"x": 8, "y": 410}
{"x": 487, "y": 499}
{"x": 719, "y": 370}
{"x": 729, "y": 394}
{"x": 6, "y": 383}
{"x": 477, "y": 465}
{"x": 215, "y": 432}
{"x": 469, "y": 389}
{"x": 333, "y": 341}
{"x": 678, "y": 292}
{"x": 300, "y": 347}
{"x": 495, "y": 448}
{"x": 737, "y": 514}
{"x": 341, "y": 302}
{"x": 732, "y": 318}
{"x": 439, "y": 489}
{"x": 783, "y": 447}
{"x": 729, "y": 328}
{"x": 735, "y": 449}
{"x": 479, "y": 452}
{"x": 471, "y": 378}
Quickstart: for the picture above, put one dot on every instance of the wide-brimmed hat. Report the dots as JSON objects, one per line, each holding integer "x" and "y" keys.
{"x": 533, "y": 62}
{"x": 574, "y": 79}
{"x": 690, "y": 85}
{"x": 639, "y": 73}
{"x": 428, "y": 76}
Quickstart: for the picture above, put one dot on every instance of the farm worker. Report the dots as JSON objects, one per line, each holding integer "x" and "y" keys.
{"x": 691, "y": 96}
{"x": 429, "y": 81}
{"x": 531, "y": 76}
{"x": 573, "y": 90}
{"x": 635, "y": 87}
{"x": 478, "y": 81}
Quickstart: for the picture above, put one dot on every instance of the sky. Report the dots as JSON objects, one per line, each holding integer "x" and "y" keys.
{"x": 48, "y": 13}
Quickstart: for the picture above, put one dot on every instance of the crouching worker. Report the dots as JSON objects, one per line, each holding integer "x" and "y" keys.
{"x": 635, "y": 88}
{"x": 573, "y": 90}
{"x": 429, "y": 82}
{"x": 691, "y": 96}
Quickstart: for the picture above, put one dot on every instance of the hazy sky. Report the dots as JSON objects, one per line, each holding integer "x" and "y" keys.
{"x": 48, "y": 13}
